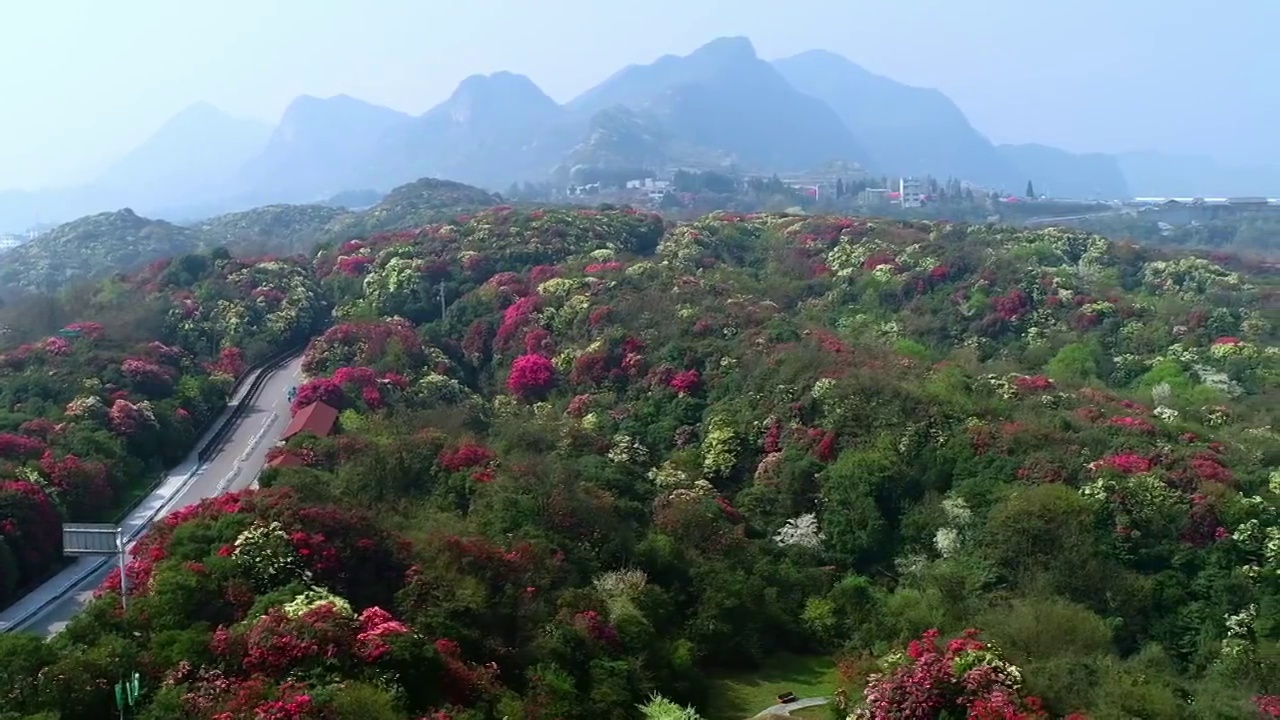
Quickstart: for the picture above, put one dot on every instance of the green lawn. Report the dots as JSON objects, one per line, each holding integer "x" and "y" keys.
{"x": 741, "y": 696}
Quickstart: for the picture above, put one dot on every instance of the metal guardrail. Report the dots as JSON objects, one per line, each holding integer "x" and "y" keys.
{"x": 260, "y": 374}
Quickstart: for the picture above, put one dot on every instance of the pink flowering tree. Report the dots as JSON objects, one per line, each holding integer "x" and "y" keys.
{"x": 532, "y": 377}
{"x": 965, "y": 678}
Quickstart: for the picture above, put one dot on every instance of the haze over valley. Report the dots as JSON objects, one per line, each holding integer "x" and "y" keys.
{"x": 721, "y": 104}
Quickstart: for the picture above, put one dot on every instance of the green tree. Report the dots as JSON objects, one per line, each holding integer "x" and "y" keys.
{"x": 1031, "y": 191}
{"x": 1076, "y": 362}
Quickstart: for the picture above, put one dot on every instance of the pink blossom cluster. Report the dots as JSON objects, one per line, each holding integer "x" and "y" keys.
{"x": 20, "y": 447}
{"x": 372, "y": 388}
{"x": 230, "y": 362}
{"x": 1126, "y": 463}
{"x": 465, "y": 456}
{"x": 1136, "y": 424}
{"x": 1033, "y": 383}
{"x": 685, "y": 382}
{"x": 57, "y": 346}
{"x": 361, "y": 344}
{"x": 126, "y": 418}
{"x": 82, "y": 484}
{"x": 147, "y": 375}
{"x": 532, "y": 376}
{"x": 515, "y": 319}
{"x": 934, "y": 682}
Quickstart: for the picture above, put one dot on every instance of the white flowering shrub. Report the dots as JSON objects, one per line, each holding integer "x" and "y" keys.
{"x": 314, "y": 598}
{"x": 801, "y": 531}
{"x": 265, "y": 554}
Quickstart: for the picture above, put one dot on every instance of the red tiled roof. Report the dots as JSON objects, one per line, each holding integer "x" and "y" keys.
{"x": 286, "y": 460}
{"x": 316, "y": 418}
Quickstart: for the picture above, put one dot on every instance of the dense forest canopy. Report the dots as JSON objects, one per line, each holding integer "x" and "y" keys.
{"x": 992, "y": 473}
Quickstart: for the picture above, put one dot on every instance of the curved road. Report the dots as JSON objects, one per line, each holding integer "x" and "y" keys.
{"x": 235, "y": 467}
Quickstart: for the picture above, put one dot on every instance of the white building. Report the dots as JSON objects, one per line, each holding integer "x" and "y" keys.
{"x": 911, "y": 193}
{"x": 650, "y": 184}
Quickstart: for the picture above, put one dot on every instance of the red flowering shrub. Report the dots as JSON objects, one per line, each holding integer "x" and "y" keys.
{"x": 467, "y": 455}
{"x": 147, "y": 377}
{"x": 353, "y": 265}
{"x": 595, "y": 627}
{"x": 598, "y": 316}
{"x": 82, "y": 485}
{"x": 538, "y": 341}
{"x": 1033, "y": 383}
{"x": 773, "y": 436}
{"x": 1011, "y": 305}
{"x": 515, "y": 319}
{"x": 1135, "y": 424}
{"x": 603, "y": 267}
{"x": 230, "y": 362}
{"x": 579, "y": 406}
{"x": 542, "y": 273}
{"x": 278, "y": 645}
{"x": 364, "y": 344}
{"x": 208, "y": 694}
{"x": 826, "y": 448}
{"x": 348, "y": 384}
{"x": 30, "y": 525}
{"x": 464, "y": 682}
{"x": 325, "y": 390}
{"x": 532, "y": 376}
{"x": 686, "y": 382}
{"x": 126, "y": 418}
{"x": 20, "y": 447}
{"x": 477, "y": 342}
{"x": 1126, "y": 463}
{"x": 967, "y": 678}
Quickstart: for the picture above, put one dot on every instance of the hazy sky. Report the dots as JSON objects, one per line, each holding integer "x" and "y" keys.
{"x": 83, "y": 81}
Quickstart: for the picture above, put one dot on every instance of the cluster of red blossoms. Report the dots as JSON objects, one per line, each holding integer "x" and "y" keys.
{"x": 965, "y": 678}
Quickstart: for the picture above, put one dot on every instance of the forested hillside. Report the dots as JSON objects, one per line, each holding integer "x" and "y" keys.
{"x": 990, "y": 473}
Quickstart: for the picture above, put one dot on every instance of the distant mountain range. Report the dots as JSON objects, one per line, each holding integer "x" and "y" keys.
{"x": 718, "y": 107}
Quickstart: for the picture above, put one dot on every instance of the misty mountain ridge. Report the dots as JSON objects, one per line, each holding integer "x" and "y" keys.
{"x": 720, "y": 105}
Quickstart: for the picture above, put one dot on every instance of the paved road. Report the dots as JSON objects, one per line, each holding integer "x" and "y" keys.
{"x": 233, "y": 468}
{"x": 785, "y": 708}
{"x": 1065, "y": 218}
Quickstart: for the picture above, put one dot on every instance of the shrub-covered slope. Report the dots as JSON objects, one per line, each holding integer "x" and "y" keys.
{"x": 101, "y": 245}
{"x": 91, "y": 414}
{"x": 92, "y": 246}
{"x": 630, "y": 455}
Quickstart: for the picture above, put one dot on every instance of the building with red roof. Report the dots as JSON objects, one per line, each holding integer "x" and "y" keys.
{"x": 286, "y": 460}
{"x": 318, "y": 418}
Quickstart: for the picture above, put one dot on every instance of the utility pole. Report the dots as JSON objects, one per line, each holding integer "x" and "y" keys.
{"x": 124, "y": 577}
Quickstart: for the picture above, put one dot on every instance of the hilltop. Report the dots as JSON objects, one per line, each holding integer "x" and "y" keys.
{"x": 1016, "y": 473}
{"x": 122, "y": 241}
{"x": 91, "y": 247}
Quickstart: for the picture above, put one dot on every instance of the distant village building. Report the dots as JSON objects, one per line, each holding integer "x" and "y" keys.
{"x": 648, "y": 184}
{"x": 874, "y": 197}
{"x": 910, "y": 193}
{"x": 813, "y": 191}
